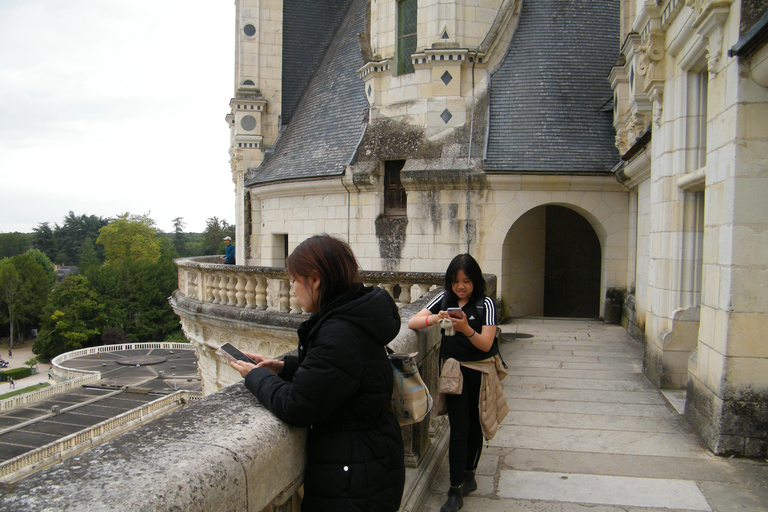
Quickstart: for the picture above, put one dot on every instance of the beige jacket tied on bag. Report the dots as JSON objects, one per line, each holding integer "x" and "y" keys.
{"x": 492, "y": 403}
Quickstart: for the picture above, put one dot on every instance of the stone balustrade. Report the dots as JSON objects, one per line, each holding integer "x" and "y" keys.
{"x": 269, "y": 288}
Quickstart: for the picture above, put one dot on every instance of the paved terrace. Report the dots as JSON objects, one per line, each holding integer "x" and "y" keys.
{"x": 586, "y": 432}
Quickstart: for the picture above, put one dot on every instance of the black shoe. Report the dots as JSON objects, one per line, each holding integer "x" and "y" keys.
{"x": 469, "y": 484}
{"x": 454, "y": 501}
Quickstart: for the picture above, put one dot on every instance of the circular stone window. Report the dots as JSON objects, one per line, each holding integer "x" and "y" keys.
{"x": 249, "y": 30}
{"x": 248, "y": 123}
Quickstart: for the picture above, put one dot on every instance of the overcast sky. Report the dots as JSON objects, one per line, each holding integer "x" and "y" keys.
{"x": 108, "y": 106}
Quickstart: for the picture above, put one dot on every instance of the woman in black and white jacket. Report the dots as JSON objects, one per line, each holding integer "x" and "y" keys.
{"x": 474, "y": 340}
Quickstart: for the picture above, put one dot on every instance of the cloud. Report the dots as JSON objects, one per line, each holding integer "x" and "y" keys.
{"x": 108, "y": 107}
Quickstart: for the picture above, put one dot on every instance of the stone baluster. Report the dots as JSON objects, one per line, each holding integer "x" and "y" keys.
{"x": 295, "y": 306}
{"x": 423, "y": 288}
{"x": 215, "y": 283}
{"x": 261, "y": 293}
{"x": 390, "y": 288}
{"x": 207, "y": 285}
{"x": 405, "y": 293}
{"x": 250, "y": 287}
{"x": 200, "y": 285}
{"x": 190, "y": 283}
{"x": 240, "y": 290}
{"x": 223, "y": 282}
{"x": 231, "y": 287}
{"x": 284, "y": 304}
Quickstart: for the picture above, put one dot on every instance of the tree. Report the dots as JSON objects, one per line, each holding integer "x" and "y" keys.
{"x": 45, "y": 263}
{"x": 44, "y": 240}
{"x": 25, "y": 290}
{"x": 179, "y": 237}
{"x": 14, "y": 243}
{"x": 88, "y": 257}
{"x": 71, "y": 235}
{"x": 72, "y": 319}
{"x": 137, "y": 279}
{"x": 11, "y": 295}
{"x": 213, "y": 236}
{"x": 130, "y": 238}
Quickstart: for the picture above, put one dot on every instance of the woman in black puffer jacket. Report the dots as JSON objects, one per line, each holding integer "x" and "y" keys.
{"x": 339, "y": 385}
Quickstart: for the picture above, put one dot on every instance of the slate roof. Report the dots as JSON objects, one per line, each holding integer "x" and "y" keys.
{"x": 327, "y": 123}
{"x": 547, "y": 94}
{"x": 308, "y": 28}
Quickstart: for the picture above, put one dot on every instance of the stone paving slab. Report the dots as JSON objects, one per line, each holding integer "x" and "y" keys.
{"x": 562, "y": 373}
{"x": 666, "y": 425}
{"x": 599, "y": 441}
{"x": 638, "y": 410}
{"x": 715, "y": 469}
{"x": 602, "y": 490}
{"x": 576, "y": 395}
{"x": 583, "y": 383}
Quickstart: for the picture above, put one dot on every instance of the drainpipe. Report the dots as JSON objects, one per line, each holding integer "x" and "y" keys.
{"x": 469, "y": 150}
{"x": 366, "y": 117}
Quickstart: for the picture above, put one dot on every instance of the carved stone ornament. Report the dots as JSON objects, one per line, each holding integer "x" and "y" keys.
{"x": 234, "y": 162}
{"x": 621, "y": 142}
{"x": 658, "y": 108}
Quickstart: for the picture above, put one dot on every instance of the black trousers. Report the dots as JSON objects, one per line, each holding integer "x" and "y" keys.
{"x": 466, "y": 442}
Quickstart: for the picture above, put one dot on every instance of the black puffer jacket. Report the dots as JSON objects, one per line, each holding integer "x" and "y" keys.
{"x": 340, "y": 386}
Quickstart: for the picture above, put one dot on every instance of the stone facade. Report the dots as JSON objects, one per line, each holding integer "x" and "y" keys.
{"x": 630, "y": 114}
{"x": 689, "y": 123}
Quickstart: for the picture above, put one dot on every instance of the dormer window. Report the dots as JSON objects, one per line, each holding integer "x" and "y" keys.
{"x": 395, "y": 200}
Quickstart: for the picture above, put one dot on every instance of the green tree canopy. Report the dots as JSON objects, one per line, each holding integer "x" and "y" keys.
{"x": 44, "y": 240}
{"x": 14, "y": 243}
{"x": 45, "y": 263}
{"x": 72, "y": 319}
{"x": 71, "y": 235}
{"x": 179, "y": 236}
{"x": 130, "y": 238}
{"x": 24, "y": 286}
{"x": 213, "y": 236}
{"x": 11, "y": 294}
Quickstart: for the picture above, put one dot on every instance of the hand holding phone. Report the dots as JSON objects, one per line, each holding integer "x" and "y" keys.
{"x": 234, "y": 354}
{"x": 455, "y": 312}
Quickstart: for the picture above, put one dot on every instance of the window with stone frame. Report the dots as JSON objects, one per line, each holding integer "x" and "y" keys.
{"x": 395, "y": 199}
{"x": 406, "y": 35}
{"x": 698, "y": 84}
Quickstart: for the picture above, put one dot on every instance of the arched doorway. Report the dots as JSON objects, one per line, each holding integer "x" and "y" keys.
{"x": 551, "y": 265}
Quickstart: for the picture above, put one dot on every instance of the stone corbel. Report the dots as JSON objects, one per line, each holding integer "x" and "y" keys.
{"x": 712, "y": 16}
{"x": 235, "y": 160}
{"x": 636, "y": 127}
{"x": 651, "y": 55}
{"x": 621, "y": 141}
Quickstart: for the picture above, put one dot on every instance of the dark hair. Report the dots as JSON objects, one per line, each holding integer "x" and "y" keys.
{"x": 470, "y": 267}
{"x": 328, "y": 258}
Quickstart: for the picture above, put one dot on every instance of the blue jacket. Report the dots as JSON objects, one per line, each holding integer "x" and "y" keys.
{"x": 229, "y": 254}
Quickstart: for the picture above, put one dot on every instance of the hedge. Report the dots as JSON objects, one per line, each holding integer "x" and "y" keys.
{"x": 16, "y": 373}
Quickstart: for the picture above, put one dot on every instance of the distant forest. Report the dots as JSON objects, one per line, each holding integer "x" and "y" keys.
{"x": 113, "y": 280}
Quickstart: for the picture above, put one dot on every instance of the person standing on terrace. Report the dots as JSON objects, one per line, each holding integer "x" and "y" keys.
{"x": 470, "y": 339}
{"x": 229, "y": 251}
{"x": 340, "y": 383}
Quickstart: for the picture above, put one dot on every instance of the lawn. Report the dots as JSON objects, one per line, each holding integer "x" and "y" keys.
{"x": 24, "y": 390}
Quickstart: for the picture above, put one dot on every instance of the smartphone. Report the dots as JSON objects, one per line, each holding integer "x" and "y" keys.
{"x": 454, "y": 312}
{"x": 233, "y": 353}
